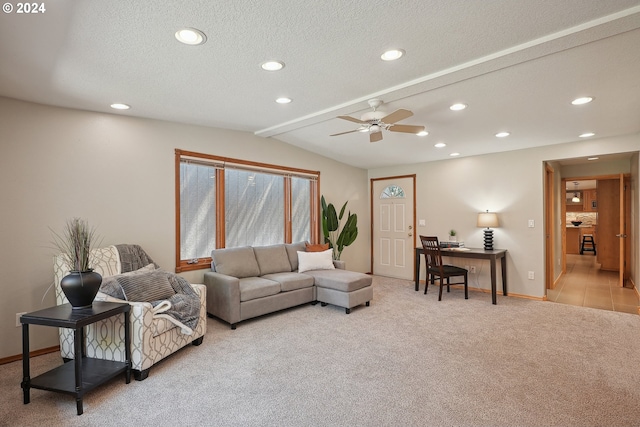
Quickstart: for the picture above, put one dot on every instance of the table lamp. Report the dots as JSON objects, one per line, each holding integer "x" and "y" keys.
{"x": 488, "y": 219}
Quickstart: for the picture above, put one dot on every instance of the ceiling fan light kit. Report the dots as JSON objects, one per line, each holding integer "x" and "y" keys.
{"x": 375, "y": 121}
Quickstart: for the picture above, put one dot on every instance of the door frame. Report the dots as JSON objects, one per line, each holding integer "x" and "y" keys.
{"x": 371, "y": 215}
{"x": 625, "y": 217}
{"x": 549, "y": 226}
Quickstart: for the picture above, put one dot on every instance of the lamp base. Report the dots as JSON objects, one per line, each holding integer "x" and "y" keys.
{"x": 488, "y": 239}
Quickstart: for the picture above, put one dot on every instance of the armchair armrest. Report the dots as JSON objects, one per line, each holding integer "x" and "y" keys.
{"x": 223, "y": 296}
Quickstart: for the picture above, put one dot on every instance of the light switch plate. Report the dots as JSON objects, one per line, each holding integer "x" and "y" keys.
{"x": 532, "y": 224}
{"x": 422, "y": 223}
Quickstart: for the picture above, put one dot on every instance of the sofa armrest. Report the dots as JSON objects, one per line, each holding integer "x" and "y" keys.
{"x": 339, "y": 264}
{"x": 223, "y": 296}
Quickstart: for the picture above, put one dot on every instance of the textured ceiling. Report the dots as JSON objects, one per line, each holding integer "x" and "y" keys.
{"x": 516, "y": 63}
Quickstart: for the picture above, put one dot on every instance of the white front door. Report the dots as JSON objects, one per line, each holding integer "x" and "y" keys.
{"x": 393, "y": 237}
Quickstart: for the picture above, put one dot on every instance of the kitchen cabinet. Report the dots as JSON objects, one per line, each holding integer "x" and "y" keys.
{"x": 589, "y": 201}
{"x": 573, "y": 240}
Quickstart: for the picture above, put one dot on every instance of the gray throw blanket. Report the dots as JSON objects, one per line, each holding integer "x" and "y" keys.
{"x": 133, "y": 257}
{"x": 181, "y": 308}
{"x": 185, "y": 304}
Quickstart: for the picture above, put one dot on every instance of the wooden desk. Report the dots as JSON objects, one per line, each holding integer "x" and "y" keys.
{"x": 476, "y": 253}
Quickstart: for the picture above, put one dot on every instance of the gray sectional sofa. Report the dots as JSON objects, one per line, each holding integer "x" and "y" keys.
{"x": 251, "y": 281}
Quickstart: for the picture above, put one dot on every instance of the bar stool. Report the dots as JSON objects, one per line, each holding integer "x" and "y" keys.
{"x": 588, "y": 244}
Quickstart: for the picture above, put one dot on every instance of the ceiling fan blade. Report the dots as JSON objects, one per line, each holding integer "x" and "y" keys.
{"x": 342, "y": 133}
{"x": 375, "y": 136}
{"x": 351, "y": 119}
{"x": 396, "y": 116}
{"x": 406, "y": 128}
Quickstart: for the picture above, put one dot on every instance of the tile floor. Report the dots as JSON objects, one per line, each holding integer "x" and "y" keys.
{"x": 585, "y": 285}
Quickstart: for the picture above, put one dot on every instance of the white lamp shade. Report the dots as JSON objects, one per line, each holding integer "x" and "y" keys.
{"x": 488, "y": 219}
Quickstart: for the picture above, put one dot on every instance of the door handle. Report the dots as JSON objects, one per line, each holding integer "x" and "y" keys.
{"x": 624, "y": 236}
{"x": 410, "y": 234}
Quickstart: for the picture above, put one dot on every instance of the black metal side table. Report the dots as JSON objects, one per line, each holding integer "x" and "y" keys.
{"x": 83, "y": 374}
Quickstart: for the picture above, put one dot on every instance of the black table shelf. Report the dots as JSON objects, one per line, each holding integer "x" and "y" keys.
{"x": 94, "y": 373}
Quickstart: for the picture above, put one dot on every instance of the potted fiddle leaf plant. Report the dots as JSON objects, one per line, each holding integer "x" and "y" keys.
{"x": 337, "y": 237}
{"x": 74, "y": 244}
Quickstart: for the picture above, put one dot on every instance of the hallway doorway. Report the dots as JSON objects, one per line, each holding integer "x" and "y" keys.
{"x": 605, "y": 278}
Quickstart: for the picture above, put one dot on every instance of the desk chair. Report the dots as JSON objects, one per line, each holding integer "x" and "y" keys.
{"x": 435, "y": 268}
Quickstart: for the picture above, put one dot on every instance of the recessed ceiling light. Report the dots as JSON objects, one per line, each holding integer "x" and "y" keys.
{"x": 502, "y": 134}
{"x": 440, "y": 145}
{"x": 118, "y": 106}
{"x": 272, "y": 65}
{"x": 458, "y": 107}
{"x": 283, "y": 100}
{"x": 587, "y": 134}
{"x": 593, "y": 158}
{"x": 422, "y": 133}
{"x": 454, "y": 154}
{"x": 392, "y": 54}
{"x": 191, "y": 36}
{"x": 582, "y": 100}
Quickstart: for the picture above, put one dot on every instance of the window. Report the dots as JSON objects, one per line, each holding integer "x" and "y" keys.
{"x": 223, "y": 202}
{"x": 254, "y": 208}
{"x": 392, "y": 192}
{"x": 301, "y": 191}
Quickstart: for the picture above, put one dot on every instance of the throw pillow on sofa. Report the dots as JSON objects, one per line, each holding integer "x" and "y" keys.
{"x": 154, "y": 286}
{"x": 315, "y": 261}
{"x": 111, "y": 287}
{"x": 320, "y": 247}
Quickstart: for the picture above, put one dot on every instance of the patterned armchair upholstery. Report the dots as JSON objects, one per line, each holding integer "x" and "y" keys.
{"x": 152, "y": 337}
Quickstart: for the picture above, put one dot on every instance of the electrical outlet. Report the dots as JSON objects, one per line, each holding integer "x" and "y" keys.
{"x": 531, "y": 275}
{"x": 473, "y": 269}
{"x": 18, "y": 324}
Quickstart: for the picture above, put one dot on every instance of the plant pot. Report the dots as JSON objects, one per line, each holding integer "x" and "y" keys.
{"x": 453, "y": 238}
{"x": 81, "y": 288}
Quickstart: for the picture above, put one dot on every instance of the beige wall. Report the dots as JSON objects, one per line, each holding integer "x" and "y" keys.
{"x": 118, "y": 173}
{"x": 451, "y": 192}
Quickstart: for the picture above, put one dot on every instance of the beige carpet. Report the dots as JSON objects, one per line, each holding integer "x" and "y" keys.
{"x": 406, "y": 360}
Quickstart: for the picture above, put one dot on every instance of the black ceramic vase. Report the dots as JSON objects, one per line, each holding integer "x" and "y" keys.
{"x": 81, "y": 288}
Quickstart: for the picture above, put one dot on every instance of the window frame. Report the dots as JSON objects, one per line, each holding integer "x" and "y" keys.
{"x": 220, "y": 163}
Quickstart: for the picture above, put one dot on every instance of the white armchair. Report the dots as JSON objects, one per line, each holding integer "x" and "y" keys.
{"x": 153, "y": 337}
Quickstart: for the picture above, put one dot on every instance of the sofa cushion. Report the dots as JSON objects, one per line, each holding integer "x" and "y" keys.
{"x": 272, "y": 259}
{"x": 292, "y": 251}
{"x": 291, "y": 281}
{"x": 257, "y": 287}
{"x": 315, "y": 261}
{"x": 237, "y": 262}
{"x": 341, "y": 280}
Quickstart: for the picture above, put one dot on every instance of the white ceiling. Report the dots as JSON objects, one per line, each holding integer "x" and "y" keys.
{"x": 516, "y": 63}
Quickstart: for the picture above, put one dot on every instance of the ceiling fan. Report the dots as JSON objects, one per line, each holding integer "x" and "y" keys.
{"x": 375, "y": 121}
